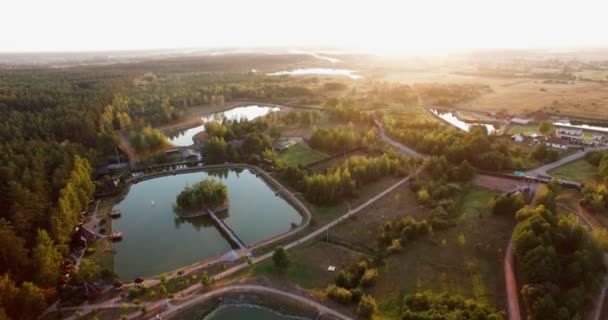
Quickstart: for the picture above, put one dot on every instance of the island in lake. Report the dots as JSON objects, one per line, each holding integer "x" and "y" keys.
{"x": 207, "y": 195}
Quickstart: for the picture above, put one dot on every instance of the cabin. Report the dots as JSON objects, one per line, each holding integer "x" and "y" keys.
{"x": 189, "y": 155}
{"x": 557, "y": 143}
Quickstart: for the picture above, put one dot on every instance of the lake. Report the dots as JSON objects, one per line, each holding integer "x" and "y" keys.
{"x": 183, "y": 138}
{"x": 453, "y": 120}
{"x": 320, "y": 71}
{"x": 155, "y": 240}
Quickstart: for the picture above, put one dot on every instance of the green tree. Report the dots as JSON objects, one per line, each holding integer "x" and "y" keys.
{"x": 367, "y": 307}
{"x": 546, "y": 127}
{"x": 47, "y": 260}
{"x": 13, "y": 254}
{"x": 88, "y": 270}
{"x": 280, "y": 258}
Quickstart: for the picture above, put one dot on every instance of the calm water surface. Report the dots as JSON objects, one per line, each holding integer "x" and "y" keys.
{"x": 156, "y": 241}
{"x": 452, "y": 119}
{"x": 320, "y": 71}
{"x": 184, "y": 138}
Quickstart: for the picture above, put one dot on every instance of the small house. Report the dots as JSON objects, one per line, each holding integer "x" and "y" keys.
{"x": 557, "y": 143}
{"x": 189, "y": 155}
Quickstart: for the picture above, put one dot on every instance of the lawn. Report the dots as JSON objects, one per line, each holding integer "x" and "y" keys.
{"x": 308, "y": 265}
{"x": 579, "y": 170}
{"x": 525, "y": 129}
{"x": 300, "y": 155}
{"x": 475, "y": 203}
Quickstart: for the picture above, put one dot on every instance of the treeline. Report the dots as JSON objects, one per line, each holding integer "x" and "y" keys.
{"x": 205, "y": 194}
{"x": 381, "y": 94}
{"x": 435, "y": 138}
{"x": 560, "y": 261}
{"x": 48, "y": 137}
{"x": 146, "y": 138}
{"x": 336, "y": 140}
{"x": 333, "y": 185}
{"x": 430, "y": 306}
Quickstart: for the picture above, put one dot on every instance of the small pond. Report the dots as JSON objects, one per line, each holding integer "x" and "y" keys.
{"x": 183, "y": 138}
{"x": 452, "y": 119}
{"x": 157, "y": 241}
{"x": 320, "y": 71}
{"x": 238, "y": 312}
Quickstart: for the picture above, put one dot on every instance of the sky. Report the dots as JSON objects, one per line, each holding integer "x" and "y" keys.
{"x": 368, "y": 25}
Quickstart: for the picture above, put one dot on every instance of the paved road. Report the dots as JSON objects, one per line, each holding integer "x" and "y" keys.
{"x": 322, "y": 309}
{"x": 543, "y": 170}
{"x": 400, "y": 147}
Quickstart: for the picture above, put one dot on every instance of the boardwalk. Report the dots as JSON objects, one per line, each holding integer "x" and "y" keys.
{"x": 228, "y": 231}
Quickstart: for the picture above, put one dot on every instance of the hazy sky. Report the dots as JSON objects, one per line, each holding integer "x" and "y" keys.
{"x": 384, "y": 26}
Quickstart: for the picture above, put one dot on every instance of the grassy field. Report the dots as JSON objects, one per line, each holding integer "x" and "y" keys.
{"x": 441, "y": 262}
{"x": 361, "y": 231}
{"x": 475, "y": 203}
{"x": 527, "y": 129}
{"x": 308, "y": 265}
{"x": 300, "y": 155}
{"x": 579, "y": 170}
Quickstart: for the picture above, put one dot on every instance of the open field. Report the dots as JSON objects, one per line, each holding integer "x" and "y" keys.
{"x": 308, "y": 265}
{"x": 441, "y": 262}
{"x": 582, "y": 98}
{"x": 361, "y": 231}
{"x": 300, "y": 155}
{"x": 579, "y": 170}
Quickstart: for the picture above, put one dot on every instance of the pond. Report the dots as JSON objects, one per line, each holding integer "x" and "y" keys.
{"x": 183, "y": 138}
{"x": 320, "y": 71}
{"x": 238, "y": 312}
{"x": 453, "y": 120}
{"x": 157, "y": 241}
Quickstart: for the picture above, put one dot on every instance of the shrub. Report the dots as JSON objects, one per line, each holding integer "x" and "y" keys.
{"x": 367, "y": 307}
{"x": 339, "y": 294}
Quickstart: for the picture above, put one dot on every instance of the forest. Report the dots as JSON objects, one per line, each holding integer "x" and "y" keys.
{"x": 58, "y": 125}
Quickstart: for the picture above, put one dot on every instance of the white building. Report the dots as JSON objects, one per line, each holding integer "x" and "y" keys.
{"x": 573, "y": 135}
{"x": 557, "y": 143}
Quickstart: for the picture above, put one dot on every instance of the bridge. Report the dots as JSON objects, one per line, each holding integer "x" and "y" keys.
{"x": 226, "y": 230}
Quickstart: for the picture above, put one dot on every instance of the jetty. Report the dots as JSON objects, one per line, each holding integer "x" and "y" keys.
{"x": 228, "y": 232}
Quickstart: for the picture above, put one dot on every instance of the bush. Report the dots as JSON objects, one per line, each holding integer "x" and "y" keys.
{"x": 507, "y": 204}
{"x": 339, "y": 294}
{"x": 369, "y": 277}
{"x": 367, "y": 307}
